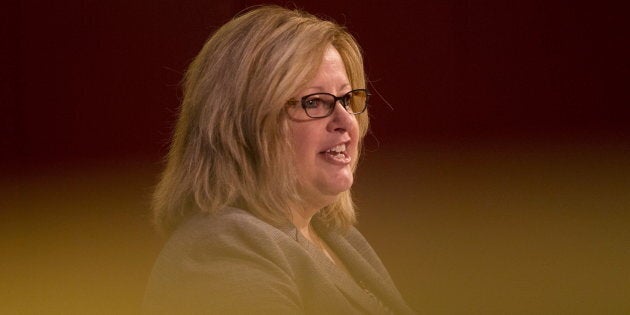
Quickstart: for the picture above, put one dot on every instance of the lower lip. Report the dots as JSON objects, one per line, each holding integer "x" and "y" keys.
{"x": 339, "y": 159}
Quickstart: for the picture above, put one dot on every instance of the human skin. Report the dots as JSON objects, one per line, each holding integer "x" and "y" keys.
{"x": 323, "y": 175}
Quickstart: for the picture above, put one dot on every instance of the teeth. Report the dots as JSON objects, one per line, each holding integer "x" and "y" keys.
{"x": 337, "y": 149}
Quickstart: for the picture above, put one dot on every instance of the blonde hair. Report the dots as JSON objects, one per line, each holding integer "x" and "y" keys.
{"x": 231, "y": 140}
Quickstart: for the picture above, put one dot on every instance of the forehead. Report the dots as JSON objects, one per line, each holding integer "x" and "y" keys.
{"x": 331, "y": 73}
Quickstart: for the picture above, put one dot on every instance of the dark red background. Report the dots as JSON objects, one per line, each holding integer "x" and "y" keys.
{"x": 88, "y": 80}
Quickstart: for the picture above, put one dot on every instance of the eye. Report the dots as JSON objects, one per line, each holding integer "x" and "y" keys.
{"x": 313, "y": 102}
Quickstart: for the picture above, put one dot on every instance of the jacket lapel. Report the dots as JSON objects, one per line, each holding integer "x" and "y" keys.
{"x": 364, "y": 275}
{"x": 344, "y": 281}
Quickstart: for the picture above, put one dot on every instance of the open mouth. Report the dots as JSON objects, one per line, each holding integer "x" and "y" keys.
{"x": 338, "y": 153}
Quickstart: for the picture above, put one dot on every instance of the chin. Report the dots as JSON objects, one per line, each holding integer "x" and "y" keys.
{"x": 338, "y": 188}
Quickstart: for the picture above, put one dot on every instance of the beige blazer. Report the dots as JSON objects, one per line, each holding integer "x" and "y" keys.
{"x": 235, "y": 263}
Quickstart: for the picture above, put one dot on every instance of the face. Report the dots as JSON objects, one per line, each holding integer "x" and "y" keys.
{"x": 325, "y": 148}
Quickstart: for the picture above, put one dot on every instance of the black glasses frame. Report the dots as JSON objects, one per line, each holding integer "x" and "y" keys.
{"x": 342, "y": 99}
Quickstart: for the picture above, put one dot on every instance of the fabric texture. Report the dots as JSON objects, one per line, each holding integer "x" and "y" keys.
{"x": 234, "y": 263}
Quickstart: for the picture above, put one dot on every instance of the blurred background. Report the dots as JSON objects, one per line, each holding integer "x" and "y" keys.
{"x": 495, "y": 180}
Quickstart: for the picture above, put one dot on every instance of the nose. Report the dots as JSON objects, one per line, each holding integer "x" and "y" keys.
{"x": 340, "y": 119}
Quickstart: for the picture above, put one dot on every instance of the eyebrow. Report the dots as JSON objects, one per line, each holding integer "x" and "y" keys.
{"x": 344, "y": 86}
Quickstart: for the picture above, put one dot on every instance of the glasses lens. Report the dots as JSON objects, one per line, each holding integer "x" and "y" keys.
{"x": 322, "y": 104}
{"x": 318, "y": 105}
{"x": 356, "y": 101}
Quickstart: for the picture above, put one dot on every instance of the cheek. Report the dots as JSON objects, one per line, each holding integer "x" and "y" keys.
{"x": 299, "y": 143}
{"x": 300, "y": 153}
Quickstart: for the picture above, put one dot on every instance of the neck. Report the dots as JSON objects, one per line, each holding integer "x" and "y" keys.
{"x": 302, "y": 221}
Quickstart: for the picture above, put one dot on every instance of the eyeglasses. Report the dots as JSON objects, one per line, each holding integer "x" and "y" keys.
{"x": 320, "y": 105}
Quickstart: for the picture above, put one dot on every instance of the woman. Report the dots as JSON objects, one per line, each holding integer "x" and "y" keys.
{"x": 255, "y": 195}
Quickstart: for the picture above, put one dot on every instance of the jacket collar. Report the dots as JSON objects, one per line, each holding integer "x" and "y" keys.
{"x": 362, "y": 275}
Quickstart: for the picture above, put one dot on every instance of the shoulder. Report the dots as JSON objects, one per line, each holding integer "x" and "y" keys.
{"x": 228, "y": 256}
{"x": 231, "y": 231}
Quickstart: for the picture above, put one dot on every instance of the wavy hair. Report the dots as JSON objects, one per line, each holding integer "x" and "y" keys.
{"x": 231, "y": 140}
